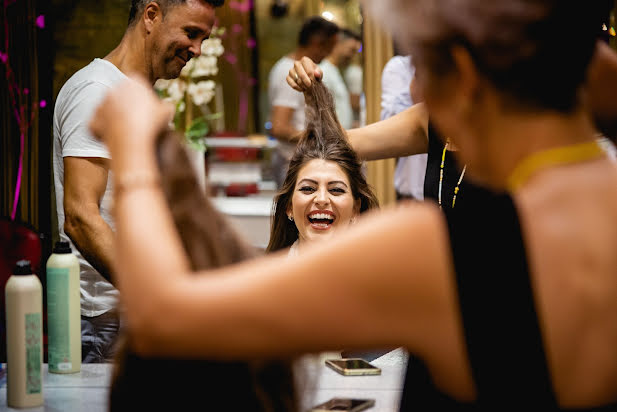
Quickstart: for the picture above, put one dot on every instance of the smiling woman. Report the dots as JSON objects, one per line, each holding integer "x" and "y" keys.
{"x": 324, "y": 188}
{"x": 322, "y": 200}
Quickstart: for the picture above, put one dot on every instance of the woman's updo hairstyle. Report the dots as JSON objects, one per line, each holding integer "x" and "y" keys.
{"x": 536, "y": 52}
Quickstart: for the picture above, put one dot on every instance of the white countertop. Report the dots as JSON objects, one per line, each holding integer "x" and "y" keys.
{"x": 244, "y": 206}
{"x": 88, "y": 389}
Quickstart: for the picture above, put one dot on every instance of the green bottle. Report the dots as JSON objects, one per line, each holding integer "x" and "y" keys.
{"x": 63, "y": 311}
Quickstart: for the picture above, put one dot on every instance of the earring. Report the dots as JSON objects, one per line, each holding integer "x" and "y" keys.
{"x": 290, "y": 217}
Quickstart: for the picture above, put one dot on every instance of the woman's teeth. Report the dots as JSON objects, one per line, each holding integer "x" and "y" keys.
{"x": 321, "y": 216}
{"x": 321, "y": 220}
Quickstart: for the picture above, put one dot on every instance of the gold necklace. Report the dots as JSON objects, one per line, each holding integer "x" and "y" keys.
{"x": 564, "y": 155}
{"x": 441, "y": 167}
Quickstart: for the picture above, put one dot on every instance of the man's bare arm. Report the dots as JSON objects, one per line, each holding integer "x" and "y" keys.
{"x": 282, "y": 127}
{"x": 85, "y": 180}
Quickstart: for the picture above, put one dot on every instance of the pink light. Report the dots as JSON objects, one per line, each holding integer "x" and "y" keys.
{"x": 19, "y": 170}
{"x": 4, "y": 57}
{"x": 246, "y": 6}
{"x": 236, "y": 28}
{"x": 26, "y": 91}
{"x": 40, "y": 21}
{"x": 241, "y": 6}
{"x": 231, "y": 58}
{"x": 251, "y": 43}
{"x": 42, "y": 104}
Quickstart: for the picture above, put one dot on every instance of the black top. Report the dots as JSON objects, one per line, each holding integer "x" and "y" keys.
{"x": 152, "y": 384}
{"x": 451, "y": 173}
{"x": 500, "y": 322}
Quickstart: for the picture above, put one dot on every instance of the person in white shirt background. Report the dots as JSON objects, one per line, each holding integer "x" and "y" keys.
{"x": 354, "y": 79}
{"x": 396, "y": 97}
{"x": 346, "y": 48}
{"x": 162, "y": 36}
{"x": 316, "y": 40}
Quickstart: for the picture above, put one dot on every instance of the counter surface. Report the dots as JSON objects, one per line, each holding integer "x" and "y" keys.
{"x": 88, "y": 390}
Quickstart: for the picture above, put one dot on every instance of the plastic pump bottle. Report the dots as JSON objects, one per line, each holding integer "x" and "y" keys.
{"x": 24, "y": 338}
{"x": 63, "y": 311}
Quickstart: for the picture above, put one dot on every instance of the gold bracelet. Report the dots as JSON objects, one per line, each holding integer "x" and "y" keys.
{"x": 135, "y": 180}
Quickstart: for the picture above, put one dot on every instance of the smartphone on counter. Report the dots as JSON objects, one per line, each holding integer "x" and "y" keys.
{"x": 353, "y": 367}
{"x": 345, "y": 404}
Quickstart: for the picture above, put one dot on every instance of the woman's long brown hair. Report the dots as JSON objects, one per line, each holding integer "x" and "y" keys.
{"x": 209, "y": 242}
{"x": 324, "y": 139}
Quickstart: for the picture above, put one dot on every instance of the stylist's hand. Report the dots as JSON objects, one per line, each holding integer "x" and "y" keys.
{"x": 303, "y": 74}
{"x": 130, "y": 117}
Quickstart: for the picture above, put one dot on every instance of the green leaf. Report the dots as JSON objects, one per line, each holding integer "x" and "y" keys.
{"x": 177, "y": 121}
{"x": 195, "y": 134}
{"x": 214, "y": 116}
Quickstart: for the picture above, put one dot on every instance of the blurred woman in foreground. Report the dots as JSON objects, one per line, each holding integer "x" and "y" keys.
{"x": 526, "y": 315}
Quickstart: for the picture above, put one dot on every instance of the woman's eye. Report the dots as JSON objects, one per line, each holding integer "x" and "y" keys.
{"x": 337, "y": 190}
{"x": 307, "y": 189}
{"x": 191, "y": 34}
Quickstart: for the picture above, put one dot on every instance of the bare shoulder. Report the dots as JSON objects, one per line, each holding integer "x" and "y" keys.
{"x": 587, "y": 192}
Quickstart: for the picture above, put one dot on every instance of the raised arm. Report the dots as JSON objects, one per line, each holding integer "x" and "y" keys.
{"x": 388, "y": 280}
{"x": 401, "y": 135}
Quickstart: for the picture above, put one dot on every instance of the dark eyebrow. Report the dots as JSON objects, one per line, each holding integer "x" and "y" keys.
{"x": 196, "y": 29}
{"x": 329, "y": 183}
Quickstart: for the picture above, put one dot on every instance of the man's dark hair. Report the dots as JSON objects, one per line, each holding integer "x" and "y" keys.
{"x": 316, "y": 26}
{"x": 349, "y": 34}
{"x": 137, "y": 6}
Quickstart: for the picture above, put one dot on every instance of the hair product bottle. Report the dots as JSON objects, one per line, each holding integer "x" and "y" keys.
{"x": 63, "y": 312}
{"x": 24, "y": 338}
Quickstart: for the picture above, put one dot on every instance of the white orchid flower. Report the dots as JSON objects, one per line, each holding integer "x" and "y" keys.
{"x": 205, "y": 66}
{"x": 202, "y": 92}
{"x": 212, "y": 47}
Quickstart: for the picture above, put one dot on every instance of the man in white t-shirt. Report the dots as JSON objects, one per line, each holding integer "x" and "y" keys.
{"x": 354, "y": 79}
{"x": 332, "y": 66}
{"x": 396, "y": 97}
{"x": 160, "y": 38}
{"x": 316, "y": 40}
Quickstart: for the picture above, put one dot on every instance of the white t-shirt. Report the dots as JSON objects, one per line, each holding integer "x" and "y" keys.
{"x": 75, "y": 104}
{"x": 395, "y": 97}
{"x": 334, "y": 82}
{"x": 280, "y": 94}
{"x": 354, "y": 79}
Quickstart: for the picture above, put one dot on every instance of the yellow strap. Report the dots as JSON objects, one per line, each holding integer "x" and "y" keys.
{"x": 552, "y": 157}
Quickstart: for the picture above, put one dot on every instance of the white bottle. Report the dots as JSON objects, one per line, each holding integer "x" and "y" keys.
{"x": 24, "y": 338}
{"x": 63, "y": 311}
